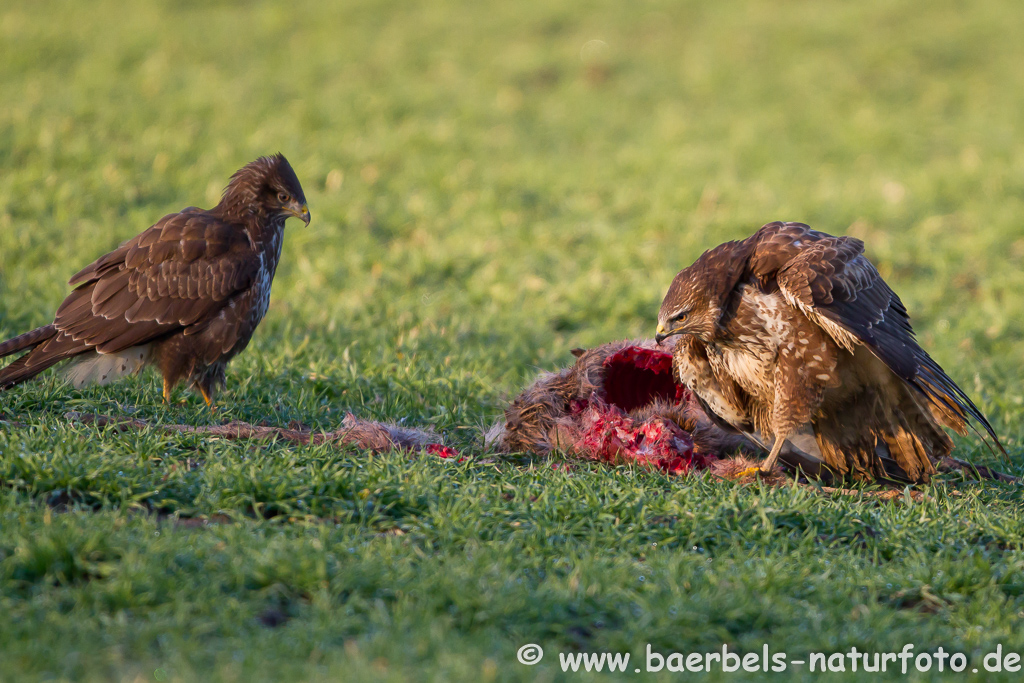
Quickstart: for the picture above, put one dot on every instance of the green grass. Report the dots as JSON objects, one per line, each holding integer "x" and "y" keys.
{"x": 486, "y": 195}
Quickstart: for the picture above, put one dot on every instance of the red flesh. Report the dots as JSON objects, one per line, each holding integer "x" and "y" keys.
{"x": 443, "y": 451}
{"x": 634, "y": 377}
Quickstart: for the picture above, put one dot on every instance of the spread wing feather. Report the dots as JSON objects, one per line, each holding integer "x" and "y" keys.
{"x": 177, "y": 274}
{"x": 832, "y": 283}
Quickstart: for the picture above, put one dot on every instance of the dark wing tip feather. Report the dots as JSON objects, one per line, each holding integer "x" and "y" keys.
{"x": 940, "y": 388}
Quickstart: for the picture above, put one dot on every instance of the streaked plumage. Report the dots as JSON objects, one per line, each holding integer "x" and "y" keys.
{"x": 186, "y": 295}
{"x": 792, "y": 336}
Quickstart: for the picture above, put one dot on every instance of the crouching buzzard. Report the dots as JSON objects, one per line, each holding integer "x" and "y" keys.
{"x": 791, "y": 336}
{"x": 186, "y": 295}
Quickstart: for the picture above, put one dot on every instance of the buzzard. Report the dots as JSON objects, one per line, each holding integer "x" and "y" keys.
{"x": 792, "y": 337}
{"x": 186, "y": 295}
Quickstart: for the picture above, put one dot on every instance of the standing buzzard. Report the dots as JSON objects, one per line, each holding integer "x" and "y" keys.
{"x": 791, "y": 335}
{"x": 186, "y": 295}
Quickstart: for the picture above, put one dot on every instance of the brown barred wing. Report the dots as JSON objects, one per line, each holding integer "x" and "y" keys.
{"x": 833, "y": 284}
{"x": 179, "y": 273}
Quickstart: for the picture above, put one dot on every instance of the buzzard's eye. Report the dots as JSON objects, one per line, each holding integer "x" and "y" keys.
{"x": 679, "y": 316}
{"x": 283, "y": 197}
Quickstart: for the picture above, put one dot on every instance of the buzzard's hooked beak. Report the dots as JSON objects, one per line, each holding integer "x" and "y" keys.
{"x": 300, "y": 211}
{"x": 663, "y": 333}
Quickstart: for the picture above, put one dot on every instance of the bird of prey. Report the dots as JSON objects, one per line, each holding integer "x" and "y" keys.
{"x": 185, "y": 295}
{"x": 792, "y": 337}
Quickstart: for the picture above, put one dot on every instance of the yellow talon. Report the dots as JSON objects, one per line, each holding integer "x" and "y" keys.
{"x": 748, "y": 472}
{"x": 167, "y": 391}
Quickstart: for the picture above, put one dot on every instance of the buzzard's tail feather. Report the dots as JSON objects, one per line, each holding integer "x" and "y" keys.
{"x": 49, "y": 347}
{"x": 27, "y": 340}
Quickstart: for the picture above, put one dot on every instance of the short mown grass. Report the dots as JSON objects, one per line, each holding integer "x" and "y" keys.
{"x": 493, "y": 184}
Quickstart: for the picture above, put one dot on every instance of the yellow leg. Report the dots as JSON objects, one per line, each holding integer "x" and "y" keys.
{"x": 769, "y": 465}
{"x": 167, "y": 391}
{"x": 207, "y": 398}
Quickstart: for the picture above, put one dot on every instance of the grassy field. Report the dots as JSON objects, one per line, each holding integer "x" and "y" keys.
{"x": 493, "y": 184}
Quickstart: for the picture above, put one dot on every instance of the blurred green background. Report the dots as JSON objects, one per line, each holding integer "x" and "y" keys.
{"x": 491, "y": 184}
{"x": 528, "y": 176}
